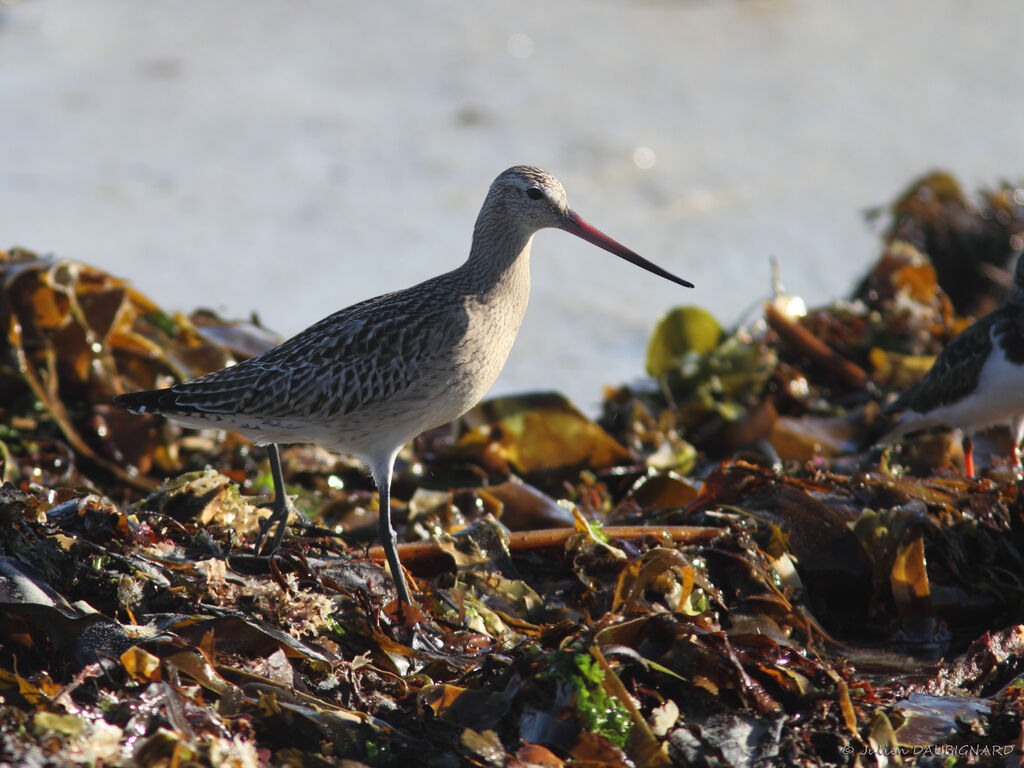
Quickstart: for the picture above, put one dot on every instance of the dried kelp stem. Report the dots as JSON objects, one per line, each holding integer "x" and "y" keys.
{"x": 50, "y": 398}
{"x": 805, "y": 343}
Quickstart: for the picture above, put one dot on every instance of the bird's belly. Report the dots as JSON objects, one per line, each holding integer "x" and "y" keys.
{"x": 442, "y": 393}
{"x": 997, "y": 399}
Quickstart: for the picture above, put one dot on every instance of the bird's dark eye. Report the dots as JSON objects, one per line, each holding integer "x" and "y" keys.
{"x": 534, "y": 194}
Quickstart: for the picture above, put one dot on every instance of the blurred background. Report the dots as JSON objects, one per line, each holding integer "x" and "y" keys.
{"x": 294, "y": 158}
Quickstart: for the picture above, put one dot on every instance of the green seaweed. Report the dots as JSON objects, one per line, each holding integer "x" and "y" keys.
{"x": 598, "y": 711}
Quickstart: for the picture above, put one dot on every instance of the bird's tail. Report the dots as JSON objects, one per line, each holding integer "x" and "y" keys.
{"x": 147, "y": 401}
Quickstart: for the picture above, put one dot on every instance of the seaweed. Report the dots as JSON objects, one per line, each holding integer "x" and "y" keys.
{"x": 720, "y": 570}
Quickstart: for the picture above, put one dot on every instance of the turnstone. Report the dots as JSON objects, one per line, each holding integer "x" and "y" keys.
{"x": 977, "y": 381}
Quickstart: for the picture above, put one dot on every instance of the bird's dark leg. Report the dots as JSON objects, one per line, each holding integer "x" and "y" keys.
{"x": 387, "y": 537}
{"x": 1017, "y": 435}
{"x": 280, "y": 507}
{"x": 968, "y": 456}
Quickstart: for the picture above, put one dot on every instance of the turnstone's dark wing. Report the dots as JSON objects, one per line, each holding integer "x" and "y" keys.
{"x": 955, "y": 373}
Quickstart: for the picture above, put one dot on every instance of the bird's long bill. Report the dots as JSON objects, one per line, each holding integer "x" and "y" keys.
{"x": 577, "y": 226}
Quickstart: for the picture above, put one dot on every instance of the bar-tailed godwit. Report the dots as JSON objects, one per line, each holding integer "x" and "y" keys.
{"x": 366, "y": 380}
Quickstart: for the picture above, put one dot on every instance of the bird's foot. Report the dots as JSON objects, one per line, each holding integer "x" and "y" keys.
{"x": 281, "y": 509}
{"x": 404, "y": 614}
{"x": 401, "y": 586}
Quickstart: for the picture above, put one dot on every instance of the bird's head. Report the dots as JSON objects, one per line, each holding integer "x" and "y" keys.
{"x": 532, "y": 199}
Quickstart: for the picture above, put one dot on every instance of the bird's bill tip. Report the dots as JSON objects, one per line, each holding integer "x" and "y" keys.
{"x": 575, "y": 225}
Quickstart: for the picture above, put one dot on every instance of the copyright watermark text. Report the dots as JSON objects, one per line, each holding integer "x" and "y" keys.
{"x": 939, "y": 750}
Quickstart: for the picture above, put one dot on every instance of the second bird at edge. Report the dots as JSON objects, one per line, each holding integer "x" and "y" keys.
{"x": 366, "y": 380}
{"x": 976, "y": 382}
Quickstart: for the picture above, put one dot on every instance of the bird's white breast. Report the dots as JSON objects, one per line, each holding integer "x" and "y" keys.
{"x": 997, "y": 399}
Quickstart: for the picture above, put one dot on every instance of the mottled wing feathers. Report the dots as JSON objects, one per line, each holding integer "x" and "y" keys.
{"x": 955, "y": 373}
{"x": 360, "y": 355}
{"x": 1008, "y": 326}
